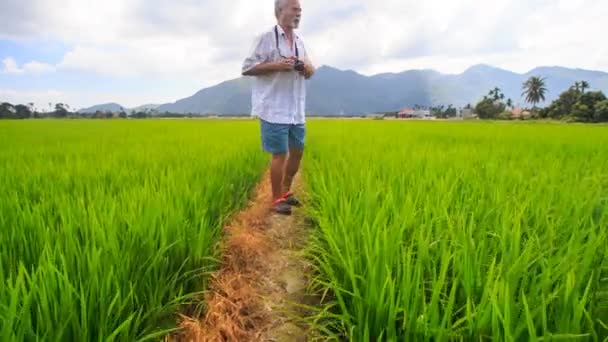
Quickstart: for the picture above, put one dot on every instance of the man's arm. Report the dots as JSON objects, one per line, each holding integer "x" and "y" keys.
{"x": 309, "y": 69}
{"x": 270, "y": 67}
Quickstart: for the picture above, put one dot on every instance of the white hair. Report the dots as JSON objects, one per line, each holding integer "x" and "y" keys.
{"x": 278, "y": 6}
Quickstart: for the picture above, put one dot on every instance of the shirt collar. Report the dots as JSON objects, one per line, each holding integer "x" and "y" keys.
{"x": 282, "y": 32}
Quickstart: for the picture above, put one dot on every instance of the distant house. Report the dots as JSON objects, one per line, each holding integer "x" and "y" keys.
{"x": 519, "y": 112}
{"x": 414, "y": 113}
{"x": 467, "y": 113}
{"x": 406, "y": 113}
{"x": 422, "y": 113}
{"x": 375, "y": 116}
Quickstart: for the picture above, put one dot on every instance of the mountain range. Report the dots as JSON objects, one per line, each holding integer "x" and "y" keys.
{"x": 345, "y": 92}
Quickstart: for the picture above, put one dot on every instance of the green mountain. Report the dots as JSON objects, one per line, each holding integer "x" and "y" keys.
{"x": 345, "y": 92}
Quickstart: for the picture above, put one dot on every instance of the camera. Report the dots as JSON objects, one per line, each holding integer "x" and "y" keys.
{"x": 298, "y": 66}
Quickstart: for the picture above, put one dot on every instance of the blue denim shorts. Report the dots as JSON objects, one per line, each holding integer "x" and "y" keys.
{"x": 280, "y": 138}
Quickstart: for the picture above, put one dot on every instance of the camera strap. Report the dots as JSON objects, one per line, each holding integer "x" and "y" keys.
{"x": 276, "y": 36}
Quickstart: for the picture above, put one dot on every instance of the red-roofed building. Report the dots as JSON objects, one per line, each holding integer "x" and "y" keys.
{"x": 407, "y": 113}
{"x": 517, "y": 112}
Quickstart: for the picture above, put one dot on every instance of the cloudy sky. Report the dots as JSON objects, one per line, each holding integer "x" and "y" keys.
{"x": 154, "y": 51}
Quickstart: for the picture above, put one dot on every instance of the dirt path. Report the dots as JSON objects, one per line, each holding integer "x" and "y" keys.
{"x": 262, "y": 278}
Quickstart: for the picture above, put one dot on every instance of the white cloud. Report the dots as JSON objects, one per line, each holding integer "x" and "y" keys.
{"x": 43, "y": 99}
{"x": 206, "y": 40}
{"x": 40, "y": 98}
{"x": 209, "y": 38}
{"x": 10, "y": 66}
{"x": 449, "y": 36}
{"x": 37, "y": 67}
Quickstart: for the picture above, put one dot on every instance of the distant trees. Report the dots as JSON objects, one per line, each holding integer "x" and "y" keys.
{"x": 491, "y": 106}
{"x": 140, "y": 115}
{"x": 581, "y": 86}
{"x": 496, "y": 94}
{"x": 489, "y": 109}
{"x": 451, "y": 112}
{"x": 575, "y": 104}
{"x": 443, "y": 113}
{"x": 7, "y": 111}
{"x": 58, "y": 110}
{"x": 23, "y": 112}
{"x": 61, "y": 110}
{"x": 601, "y": 111}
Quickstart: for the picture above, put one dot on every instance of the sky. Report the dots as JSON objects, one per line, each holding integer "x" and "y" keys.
{"x": 137, "y": 52}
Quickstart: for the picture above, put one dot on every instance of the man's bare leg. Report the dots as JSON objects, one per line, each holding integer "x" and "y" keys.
{"x": 277, "y": 168}
{"x": 291, "y": 168}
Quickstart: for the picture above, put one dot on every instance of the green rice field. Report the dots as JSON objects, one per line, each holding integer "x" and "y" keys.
{"x": 421, "y": 231}
{"x": 460, "y": 231}
{"x": 107, "y": 227}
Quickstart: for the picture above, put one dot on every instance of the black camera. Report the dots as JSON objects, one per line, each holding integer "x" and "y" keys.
{"x": 298, "y": 66}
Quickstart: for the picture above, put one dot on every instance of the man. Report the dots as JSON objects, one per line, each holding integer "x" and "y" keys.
{"x": 280, "y": 65}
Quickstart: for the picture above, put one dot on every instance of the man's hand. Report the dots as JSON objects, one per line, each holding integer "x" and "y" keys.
{"x": 308, "y": 71}
{"x": 285, "y": 64}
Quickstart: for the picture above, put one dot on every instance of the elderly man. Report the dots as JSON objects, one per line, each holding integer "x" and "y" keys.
{"x": 280, "y": 65}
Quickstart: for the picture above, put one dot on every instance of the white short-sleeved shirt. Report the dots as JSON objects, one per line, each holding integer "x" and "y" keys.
{"x": 278, "y": 97}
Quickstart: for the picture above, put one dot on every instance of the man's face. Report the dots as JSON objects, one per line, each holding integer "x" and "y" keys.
{"x": 291, "y": 14}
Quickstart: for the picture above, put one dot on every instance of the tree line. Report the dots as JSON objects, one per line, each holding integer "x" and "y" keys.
{"x": 20, "y": 111}
{"x": 63, "y": 111}
{"x": 573, "y": 105}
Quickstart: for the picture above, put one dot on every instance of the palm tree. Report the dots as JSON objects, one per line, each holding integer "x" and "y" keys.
{"x": 534, "y": 90}
{"x": 584, "y": 85}
{"x": 577, "y": 86}
{"x": 496, "y": 94}
{"x": 509, "y": 103}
